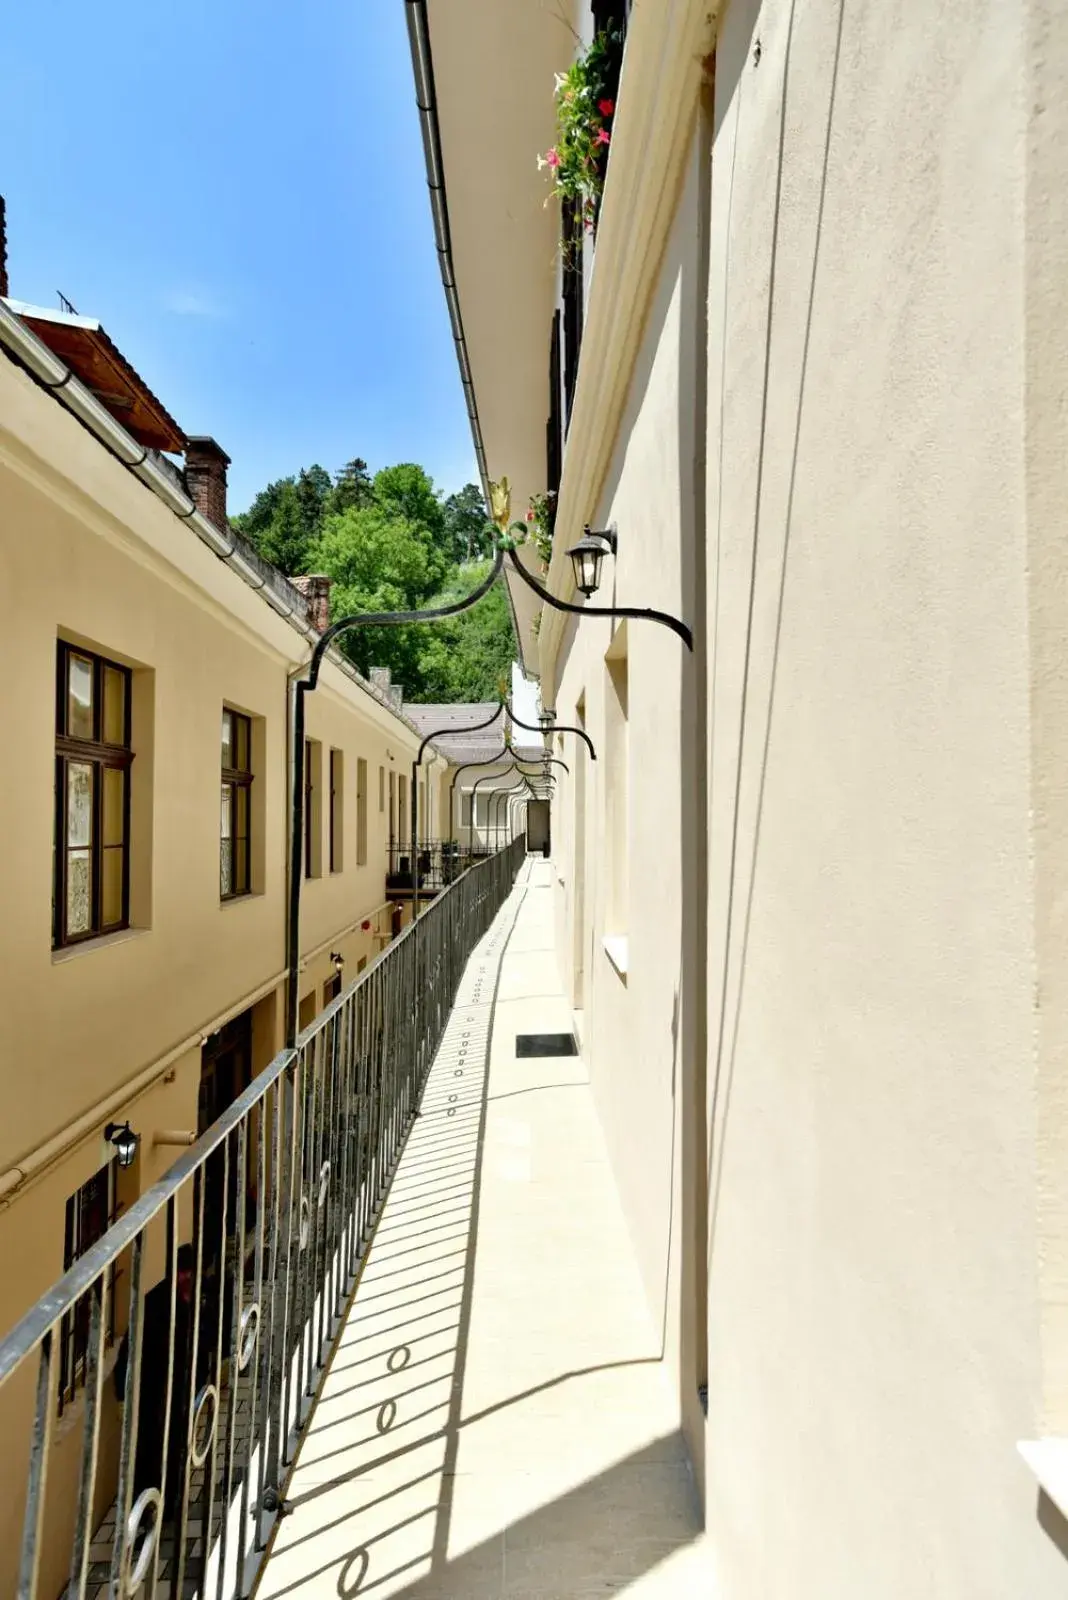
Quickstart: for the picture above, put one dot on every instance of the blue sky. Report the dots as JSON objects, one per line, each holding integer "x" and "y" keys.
{"x": 237, "y": 192}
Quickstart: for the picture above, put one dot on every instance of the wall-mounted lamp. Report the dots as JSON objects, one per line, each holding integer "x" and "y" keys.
{"x": 339, "y": 961}
{"x": 546, "y": 718}
{"x": 125, "y": 1141}
{"x": 587, "y": 558}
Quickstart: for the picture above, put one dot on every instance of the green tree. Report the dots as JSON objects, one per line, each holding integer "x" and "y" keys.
{"x": 284, "y": 540}
{"x": 378, "y": 561}
{"x": 352, "y": 486}
{"x": 390, "y": 543}
{"x": 260, "y": 514}
{"x": 468, "y": 530}
{"x": 464, "y": 657}
{"x": 313, "y": 491}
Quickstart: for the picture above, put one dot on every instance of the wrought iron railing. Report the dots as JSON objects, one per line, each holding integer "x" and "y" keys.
{"x": 276, "y": 1203}
{"x": 438, "y": 862}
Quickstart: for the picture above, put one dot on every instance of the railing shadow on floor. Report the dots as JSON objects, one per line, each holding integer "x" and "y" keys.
{"x": 574, "y": 1539}
{"x": 203, "y": 1460}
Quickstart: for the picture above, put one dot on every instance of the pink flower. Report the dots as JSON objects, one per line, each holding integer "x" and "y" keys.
{"x": 606, "y": 107}
{"x": 530, "y": 516}
{"x": 603, "y": 136}
{"x": 552, "y": 159}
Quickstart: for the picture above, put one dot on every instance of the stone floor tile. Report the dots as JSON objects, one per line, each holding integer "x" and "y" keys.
{"x": 496, "y": 1422}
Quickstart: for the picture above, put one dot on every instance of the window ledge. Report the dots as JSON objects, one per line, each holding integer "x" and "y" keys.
{"x": 617, "y": 949}
{"x": 240, "y": 899}
{"x": 1048, "y": 1460}
{"x": 70, "y": 952}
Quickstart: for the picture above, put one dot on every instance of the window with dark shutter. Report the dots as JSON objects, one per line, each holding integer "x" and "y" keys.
{"x": 572, "y": 246}
{"x": 554, "y": 433}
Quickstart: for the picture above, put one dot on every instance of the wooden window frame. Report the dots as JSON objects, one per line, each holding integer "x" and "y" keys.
{"x": 337, "y": 800}
{"x": 101, "y": 756}
{"x": 361, "y": 811}
{"x": 74, "y": 1326}
{"x": 233, "y": 780}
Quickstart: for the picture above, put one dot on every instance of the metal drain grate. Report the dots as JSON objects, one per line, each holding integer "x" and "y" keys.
{"x": 545, "y": 1044}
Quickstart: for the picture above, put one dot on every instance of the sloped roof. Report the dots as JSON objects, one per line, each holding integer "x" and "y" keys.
{"x": 84, "y": 346}
{"x": 453, "y": 724}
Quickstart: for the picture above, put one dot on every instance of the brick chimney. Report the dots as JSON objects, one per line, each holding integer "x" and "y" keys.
{"x": 4, "y": 290}
{"x": 315, "y": 588}
{"x": 380, "y": 677}
{"x": 205, "y": 474}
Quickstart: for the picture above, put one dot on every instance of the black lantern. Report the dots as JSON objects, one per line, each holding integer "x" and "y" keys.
{"x": 546, "y": 718}
{"x": 587, "y": 558}
{"x": 339, "y": 961}
{"x": 125, "y": 1141}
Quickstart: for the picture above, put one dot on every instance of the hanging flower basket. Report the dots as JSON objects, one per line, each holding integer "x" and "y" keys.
{"x": 585, "y": 109}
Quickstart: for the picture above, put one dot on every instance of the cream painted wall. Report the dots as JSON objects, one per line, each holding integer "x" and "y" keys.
{"x": 885, "y": 641}
{"x": 634, "y": 1026}
{"x": 874, "y": 1318}
{"x": 88, "y": 552}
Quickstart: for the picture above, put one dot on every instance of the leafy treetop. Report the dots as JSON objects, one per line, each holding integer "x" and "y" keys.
{"x": 391, "y": 542}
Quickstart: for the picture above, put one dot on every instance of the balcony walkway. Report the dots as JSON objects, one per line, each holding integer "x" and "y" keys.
{"x": 495, "y": 1421}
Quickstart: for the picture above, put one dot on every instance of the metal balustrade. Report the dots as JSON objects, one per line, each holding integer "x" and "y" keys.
{"x": 276, "y": 1203}
{"x": 439, "y": 862}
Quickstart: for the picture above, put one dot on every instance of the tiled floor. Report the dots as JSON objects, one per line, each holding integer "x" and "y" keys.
{"x": 495, "y": 1422}
{"x": 98, "y": 1576}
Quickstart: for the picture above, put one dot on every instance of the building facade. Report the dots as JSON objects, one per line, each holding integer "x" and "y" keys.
{"x": 808, "y": 364}
{"x": 145, "y": 876}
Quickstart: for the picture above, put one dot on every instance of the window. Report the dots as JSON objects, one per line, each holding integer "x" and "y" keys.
{"x": 573, "y": 238}
{"x": 331, "y": 988}
{"x": 554, "y": 433}
{"x": 381, "y": 790}
{"x": 392, "y": 809}
{"x": 90, "y": 1210}
{"x": 337, "y": 810}
{"x": 235, "y": 826}
{"x": 402, "y": 809}
{"x": 465, "y": 808}
{"x": 91, "y": 855}
{"x": 361, "y": 812}
{"x": 313, "y": 819}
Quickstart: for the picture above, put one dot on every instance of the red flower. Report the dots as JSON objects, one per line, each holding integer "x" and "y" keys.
{"x": 603, "y": 136}
{"x": 606, "y": 107}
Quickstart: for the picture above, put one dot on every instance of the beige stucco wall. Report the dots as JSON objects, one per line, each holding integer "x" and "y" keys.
{"x": 874, "y": 1351}
{"x": 87, "y": 552}
{"x": 886, "y": 590}
{"x": 635, "y": 1028}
